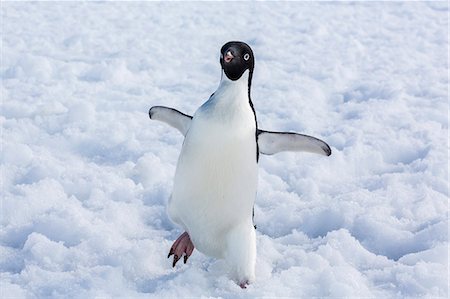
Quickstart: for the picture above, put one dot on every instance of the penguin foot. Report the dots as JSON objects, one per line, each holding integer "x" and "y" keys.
{"x": 243, "y": 284}
{"x": 183, "y": 245}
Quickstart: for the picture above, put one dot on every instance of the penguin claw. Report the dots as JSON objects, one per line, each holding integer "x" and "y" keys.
{"x": 170, "y": 252}
{"x": 175, "y": 260}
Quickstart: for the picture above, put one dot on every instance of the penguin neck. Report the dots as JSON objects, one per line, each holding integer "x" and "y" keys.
{"x": 238, "y": 90}
{"x": 231, "y": 98}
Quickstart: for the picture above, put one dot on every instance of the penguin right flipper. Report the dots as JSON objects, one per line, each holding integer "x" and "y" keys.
{"x": 172, "y": 117}
{"x": 270, "y": 143}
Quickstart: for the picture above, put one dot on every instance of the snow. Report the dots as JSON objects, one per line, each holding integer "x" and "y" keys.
{"x": 86, "y": 175}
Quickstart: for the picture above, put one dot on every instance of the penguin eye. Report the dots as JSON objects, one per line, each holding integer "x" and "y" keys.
{"x": 246, "y": 56}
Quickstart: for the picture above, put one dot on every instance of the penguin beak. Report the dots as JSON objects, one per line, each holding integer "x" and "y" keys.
{"x": 228, "y": 56}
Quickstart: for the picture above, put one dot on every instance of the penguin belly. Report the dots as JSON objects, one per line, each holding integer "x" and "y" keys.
{"x": 215, "y": 180}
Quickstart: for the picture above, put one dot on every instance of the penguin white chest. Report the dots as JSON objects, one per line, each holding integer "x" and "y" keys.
{"x": 216, "y": 177}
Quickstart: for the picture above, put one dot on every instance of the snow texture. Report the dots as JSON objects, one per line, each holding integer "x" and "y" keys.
{"x": 86, "y": 175}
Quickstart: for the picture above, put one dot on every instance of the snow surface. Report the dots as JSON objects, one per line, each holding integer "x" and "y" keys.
{"x": 86, "y": 175}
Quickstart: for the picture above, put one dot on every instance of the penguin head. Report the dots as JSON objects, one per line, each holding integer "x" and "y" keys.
{"x": 235, "y": 59}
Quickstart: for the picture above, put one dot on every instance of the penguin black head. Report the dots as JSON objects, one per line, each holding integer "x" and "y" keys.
{"x": 235, "y": 58}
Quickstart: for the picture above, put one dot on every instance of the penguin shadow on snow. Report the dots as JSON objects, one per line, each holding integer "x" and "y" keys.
{"x": 215, "y": 181}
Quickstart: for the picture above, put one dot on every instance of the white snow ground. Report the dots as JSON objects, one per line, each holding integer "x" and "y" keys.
{"x": 86, "y": 175}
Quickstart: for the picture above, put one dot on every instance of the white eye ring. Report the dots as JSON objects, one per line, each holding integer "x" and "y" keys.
{"x": 246, "y": 56}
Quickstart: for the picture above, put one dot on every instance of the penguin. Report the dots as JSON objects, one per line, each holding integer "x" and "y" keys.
{"x": 215, "y": 181}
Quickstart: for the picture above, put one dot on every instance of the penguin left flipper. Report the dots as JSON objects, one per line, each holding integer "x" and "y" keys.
{"x": 270, "y": 143}
{"x": 172, "y": 117}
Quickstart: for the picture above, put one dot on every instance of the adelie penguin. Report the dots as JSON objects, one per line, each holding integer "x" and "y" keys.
{"x": 215, "y": 181}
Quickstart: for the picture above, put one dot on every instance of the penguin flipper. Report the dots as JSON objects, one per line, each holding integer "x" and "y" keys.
{"x": 270, "y": 143}
{"x": 172, "y": 117}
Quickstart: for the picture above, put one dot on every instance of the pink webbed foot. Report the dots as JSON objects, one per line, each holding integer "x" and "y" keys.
{"x": 183, "y": 245}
